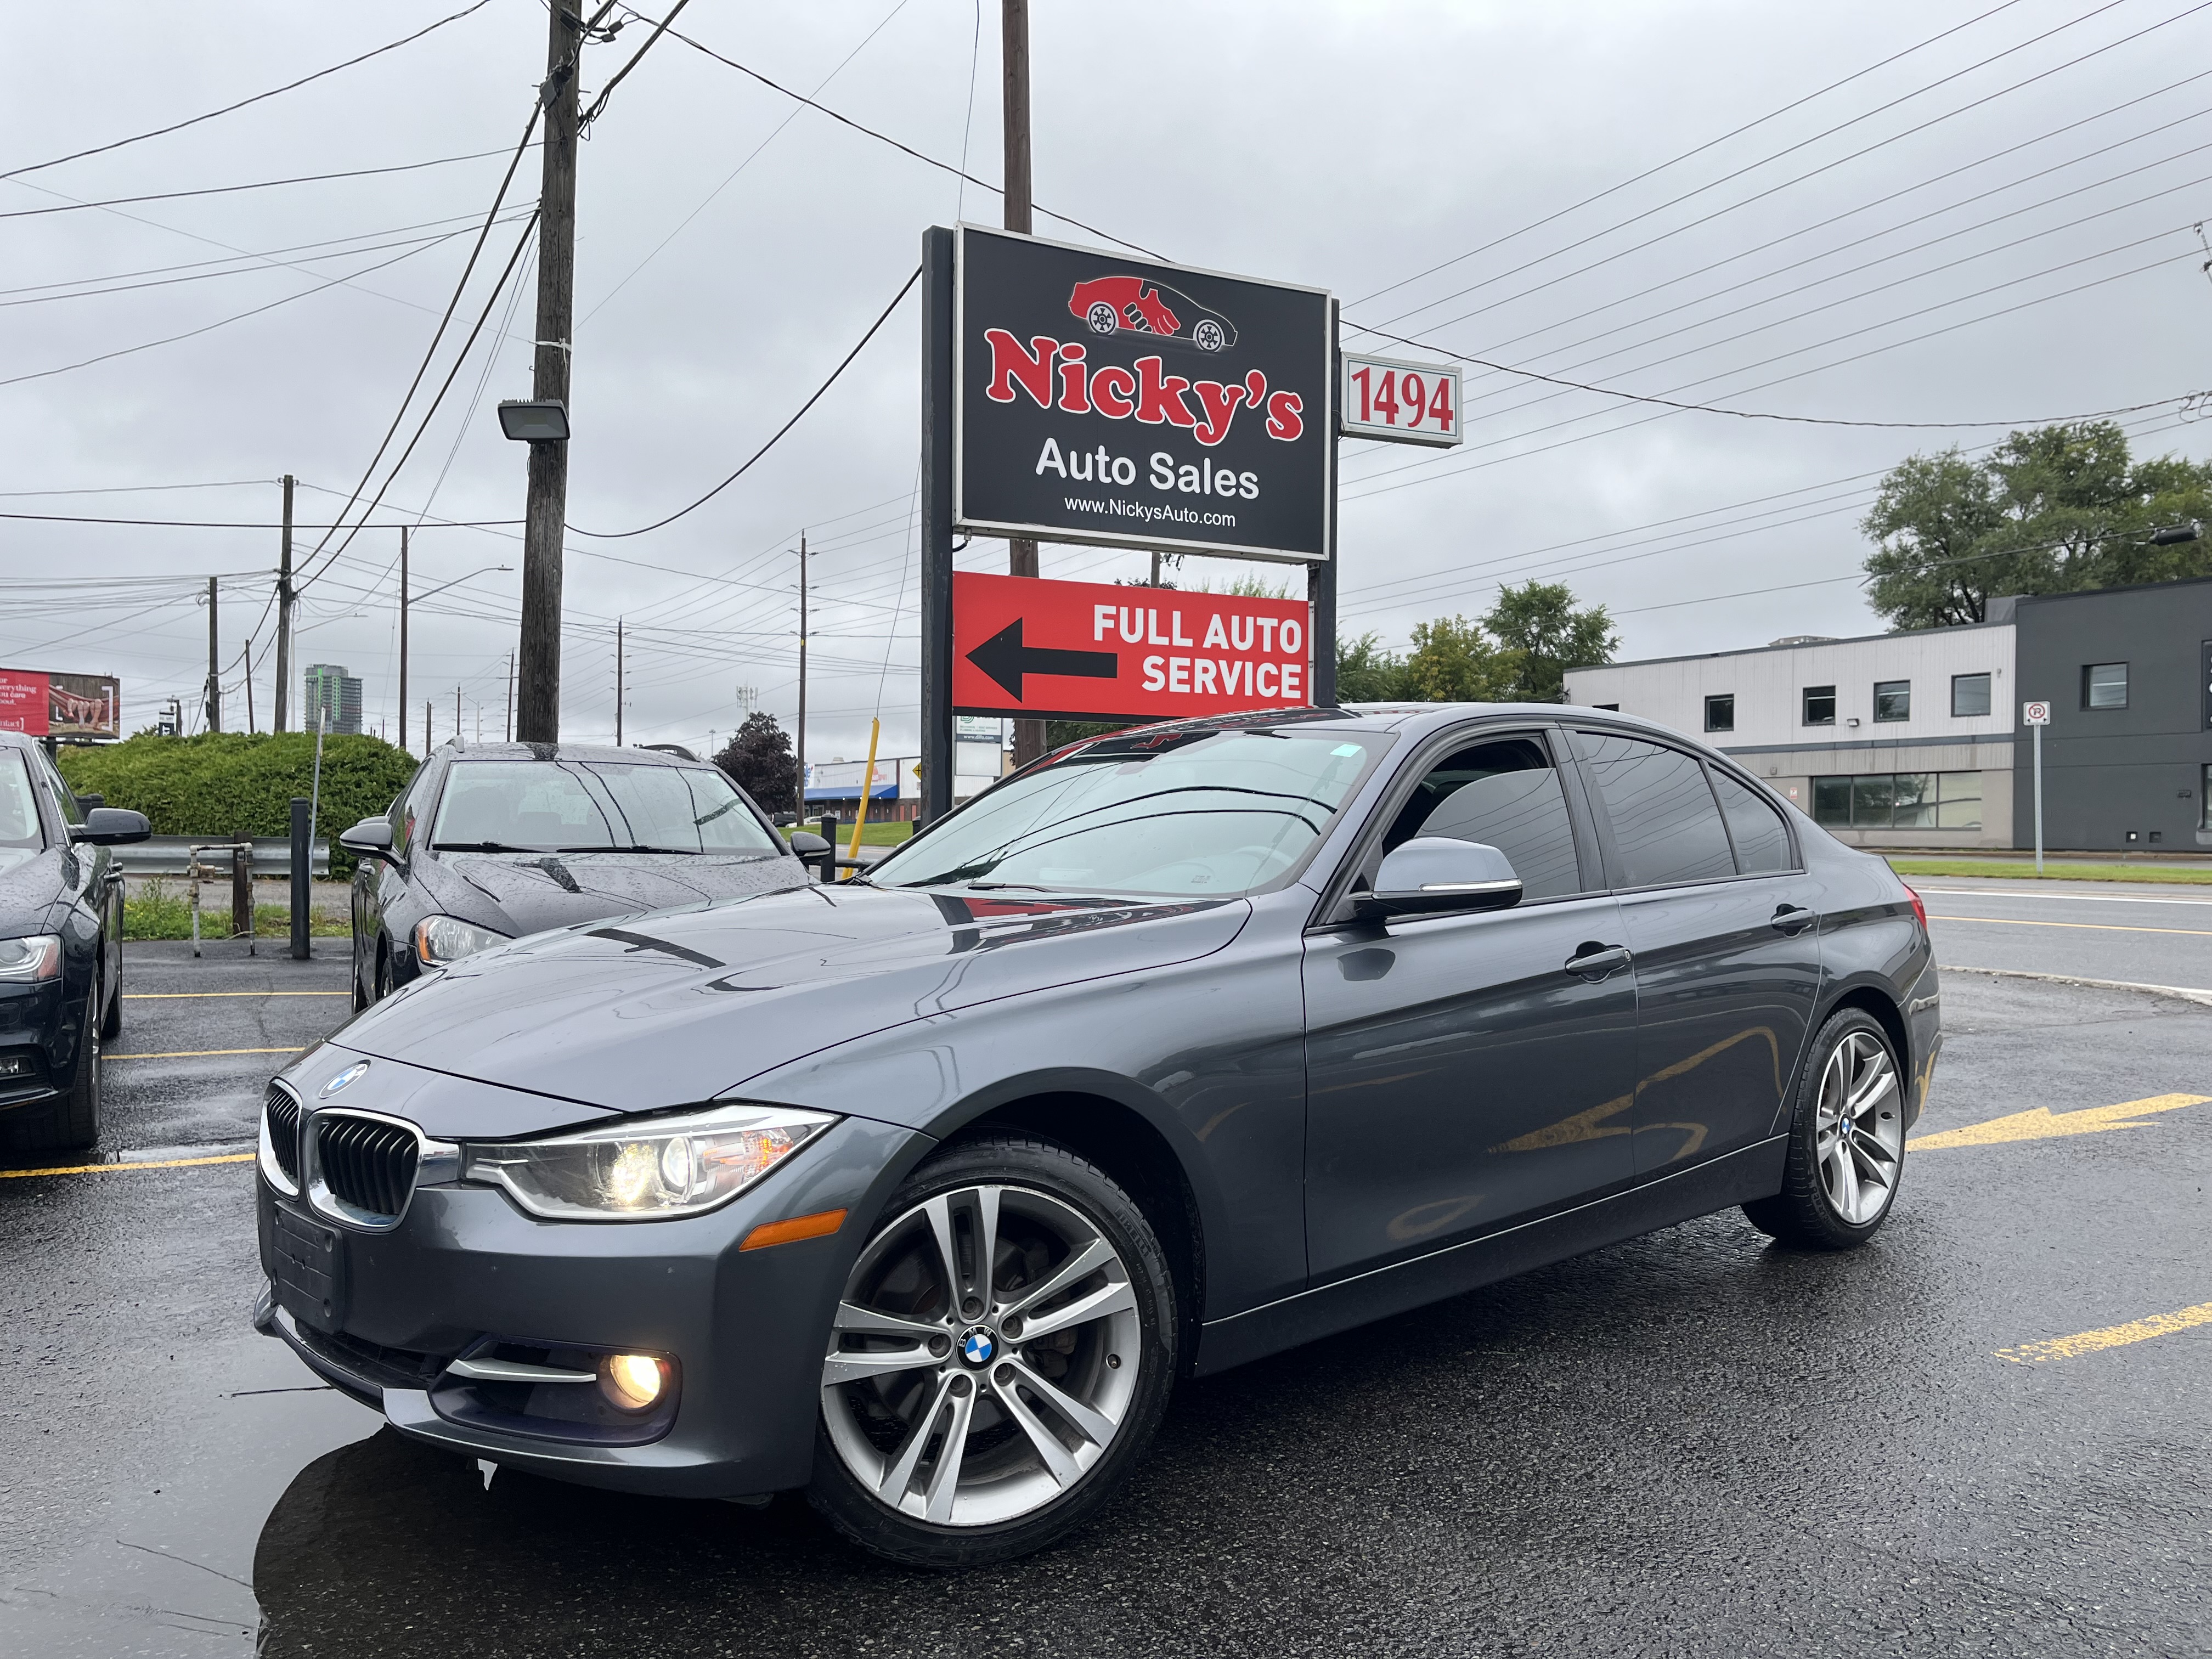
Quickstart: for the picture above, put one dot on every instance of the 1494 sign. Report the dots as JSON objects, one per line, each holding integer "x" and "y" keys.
{"x": 1106, "y": 399}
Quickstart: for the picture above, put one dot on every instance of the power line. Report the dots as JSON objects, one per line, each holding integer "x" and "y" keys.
{"x": 1737, "y": 132}
{"x": 264, "y": 184}
{"x": 618, "y": 535}
{"x": 431, "y": 350}
{"x": 208, "y": 328}
{"x": 1825, "y": 166}
{"x": 289, "y": 85}
{"x": 886, "y": 139}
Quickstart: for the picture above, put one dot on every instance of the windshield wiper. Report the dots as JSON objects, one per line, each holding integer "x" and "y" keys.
{"x": 478, "y": 847}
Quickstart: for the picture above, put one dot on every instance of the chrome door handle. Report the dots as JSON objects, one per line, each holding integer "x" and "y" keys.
{"x": 1597, "y": 961}
{"x": 1793, "y": 919}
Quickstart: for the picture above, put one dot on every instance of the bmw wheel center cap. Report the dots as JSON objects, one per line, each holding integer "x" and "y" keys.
{"x": 976, "y": 1347}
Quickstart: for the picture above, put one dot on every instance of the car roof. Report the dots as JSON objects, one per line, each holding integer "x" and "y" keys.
{"x": 602, "y": 754}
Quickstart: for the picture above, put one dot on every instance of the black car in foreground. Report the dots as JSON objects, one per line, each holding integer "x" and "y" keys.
{"x": 61, "y": 950}
{"x": 490, "y": 842}
{"x": 1176, "y": 1048}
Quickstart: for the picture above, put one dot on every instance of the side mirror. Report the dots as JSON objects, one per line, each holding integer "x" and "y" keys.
{"x": 1430, "y": 874}
{"x": 111, "y": 826}
{"x": 371, "y": 838}
{"x": 807, "y": 844}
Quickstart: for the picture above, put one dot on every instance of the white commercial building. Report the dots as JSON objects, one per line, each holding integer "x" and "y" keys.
{"x": 1891, "y": 741}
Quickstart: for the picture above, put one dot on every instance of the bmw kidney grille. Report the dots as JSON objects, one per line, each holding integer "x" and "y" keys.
{"x": 282, "y": 1109}
{"x": 366, "y": 1163}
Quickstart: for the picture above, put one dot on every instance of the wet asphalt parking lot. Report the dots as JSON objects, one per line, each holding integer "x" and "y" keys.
{"x": 1692, "y": 1443}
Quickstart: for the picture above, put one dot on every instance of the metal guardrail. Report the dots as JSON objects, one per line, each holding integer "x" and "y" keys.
{"x": 171, "y": 855}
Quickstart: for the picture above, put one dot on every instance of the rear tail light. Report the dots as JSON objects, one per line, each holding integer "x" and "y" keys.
{"x": 1919, "y": 910}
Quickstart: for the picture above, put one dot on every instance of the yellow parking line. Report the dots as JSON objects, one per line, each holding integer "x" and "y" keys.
{"x": 185, "y": 996}
{"x": 204, "y": 1054}
{"x": 109, "y": 1169}
{"x": 2112, "y": 1336}
{"x": 2093, "y": 926}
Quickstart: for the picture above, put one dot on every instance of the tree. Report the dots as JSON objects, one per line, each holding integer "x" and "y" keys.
{"x": 1365, "y": 673}
{"x": 1538, "y": 621}
{"x": 2055, "y": 510}
{"x": 759, "y": 760}
{"x": 1453, "y": 661}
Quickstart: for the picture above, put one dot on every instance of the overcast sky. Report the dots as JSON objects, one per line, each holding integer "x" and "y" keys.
{"x": 1990, "y": 220}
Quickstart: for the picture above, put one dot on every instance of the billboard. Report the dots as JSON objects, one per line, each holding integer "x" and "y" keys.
{"x": 1094, "y": 651}
{"x": 60, "y": 705}
{"x": 1104, "y": 399}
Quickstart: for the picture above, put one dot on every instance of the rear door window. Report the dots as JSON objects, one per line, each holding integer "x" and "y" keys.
{"x": 1503, "y": 793}
{"x": 1666, "y": 825}
{"x": 1762, "y": 844}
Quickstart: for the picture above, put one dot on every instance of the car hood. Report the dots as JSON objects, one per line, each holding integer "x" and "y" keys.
{"x": 30, "y": 883}
{"x": 533, "y": 891}
{"x": 681, "y": 1006}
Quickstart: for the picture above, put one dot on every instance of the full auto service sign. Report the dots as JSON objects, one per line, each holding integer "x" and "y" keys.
{"x": 1114, "y": 400}
{"x": 1093, "y": 651}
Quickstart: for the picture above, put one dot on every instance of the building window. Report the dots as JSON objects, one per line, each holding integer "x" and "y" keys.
{"x": 1892, "y": 699}
{"x": 1970, "y": 695}
{"x": 1720, "y": 712}
{"x": 1902, "y": 801}
{"x": 1820, "y": 705}
{"x": 2105, "y": 685}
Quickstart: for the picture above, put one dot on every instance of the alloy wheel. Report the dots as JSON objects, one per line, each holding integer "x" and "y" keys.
{"x": 1859, "y": 1135}
{"x": 984, "y": 1357}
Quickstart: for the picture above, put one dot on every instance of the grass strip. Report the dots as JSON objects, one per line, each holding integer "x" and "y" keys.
{"x": 2005, "y": 870}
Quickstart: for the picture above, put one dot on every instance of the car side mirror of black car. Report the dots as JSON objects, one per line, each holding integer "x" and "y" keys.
{"x": 111, "y": 826}
{"x": 1431, "y": 874}
{"x": 371, "y": 838}
{"x": 813, "y": 852}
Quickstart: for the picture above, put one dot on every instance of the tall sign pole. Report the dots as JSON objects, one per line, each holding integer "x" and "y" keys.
{"x": 2035, "y": 716}
{"x": 937, "y": 373}
{"x": 403, "y": 636}
{"x": 1014, "y": 36}
{"x": 214, "y": 672}
{"x": 537, "y": 718}
{"x": 283, "y": 614}
{"x": 798, "y": 804}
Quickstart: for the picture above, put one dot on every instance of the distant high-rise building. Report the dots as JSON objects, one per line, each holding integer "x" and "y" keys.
{"x": 333, "y": 696}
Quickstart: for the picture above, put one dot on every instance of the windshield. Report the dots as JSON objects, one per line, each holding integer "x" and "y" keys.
{"x": 20, "y": 837}
{"x": 567, "y": 806}
{"x": 1207, "y": 813}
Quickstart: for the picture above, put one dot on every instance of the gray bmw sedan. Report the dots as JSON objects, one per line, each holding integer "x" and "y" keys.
{"x": 1176, "y": 1048}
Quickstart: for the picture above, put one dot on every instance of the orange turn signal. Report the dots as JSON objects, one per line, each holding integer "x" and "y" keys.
{"x": 820, "y": 1225}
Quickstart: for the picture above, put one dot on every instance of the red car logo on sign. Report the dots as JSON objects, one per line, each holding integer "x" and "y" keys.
{"x": 1110, "y": 305}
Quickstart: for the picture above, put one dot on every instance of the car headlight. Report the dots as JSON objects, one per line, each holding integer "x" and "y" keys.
{"x": 39, "y": 956}
{"x": 648, "y": 1170}
{"x": 439, "y": 940}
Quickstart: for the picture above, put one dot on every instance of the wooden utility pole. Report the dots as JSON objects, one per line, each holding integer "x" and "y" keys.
{"x": 426, "y": 727}
{"x": 214, "y": 694}
{"x": 538, "y": 719}
{"x": 403, "y": 640}
{"x": 457, "y": 711}
{"x": 798, "y": 794}
{"x": 283, "y": 617}
{"x": 618, "y": 682}
{"x": 1014, "y": 36}
{"x": 510, "y": 697}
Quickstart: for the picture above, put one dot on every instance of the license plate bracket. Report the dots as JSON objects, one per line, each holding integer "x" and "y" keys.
{"x": 307, "y": 1266}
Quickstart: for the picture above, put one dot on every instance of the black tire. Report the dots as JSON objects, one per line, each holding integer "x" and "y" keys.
{"x": 383, "y": 978}
{"x": 111, "y": 1021}
{"x": 1808, "y": 1213}
{"x": 70, "y": 1122}
{"x": 1031, "y": 1166}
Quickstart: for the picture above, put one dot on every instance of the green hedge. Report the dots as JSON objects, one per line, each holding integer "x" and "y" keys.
{"x": 233, "y": 783}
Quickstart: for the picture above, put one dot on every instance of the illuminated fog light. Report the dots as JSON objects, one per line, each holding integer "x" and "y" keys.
{"x": 16, "y": 1065}
{"x": 631, "y": 1380}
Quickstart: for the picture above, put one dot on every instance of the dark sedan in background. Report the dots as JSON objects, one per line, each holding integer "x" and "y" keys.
{"x": 61, "y": 950}
{"x": 1177, "y": 1047}
{"x": 490, "y": 842}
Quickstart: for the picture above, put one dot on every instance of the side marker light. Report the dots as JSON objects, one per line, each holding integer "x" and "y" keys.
{"x": 820, "y": 1225}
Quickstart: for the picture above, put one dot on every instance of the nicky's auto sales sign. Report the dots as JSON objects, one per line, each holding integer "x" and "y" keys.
{"x": 1109, "y": 400}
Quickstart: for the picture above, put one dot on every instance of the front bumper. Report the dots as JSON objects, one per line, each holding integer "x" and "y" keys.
{"x": 748, "y": 1327}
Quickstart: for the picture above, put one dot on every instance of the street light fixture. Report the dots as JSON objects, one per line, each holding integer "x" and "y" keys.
{"x": 534, "y": 421}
